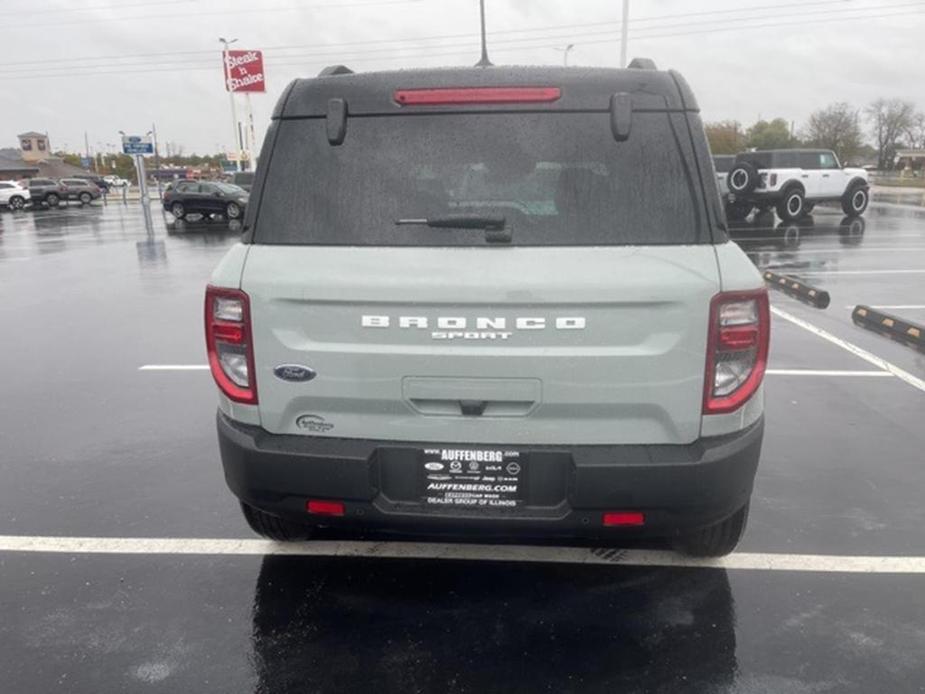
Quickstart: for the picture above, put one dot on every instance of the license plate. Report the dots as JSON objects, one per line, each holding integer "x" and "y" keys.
{"x": 478, "y": 478}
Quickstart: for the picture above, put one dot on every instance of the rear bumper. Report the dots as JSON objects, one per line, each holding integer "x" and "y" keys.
{"x": 679, "y": 488}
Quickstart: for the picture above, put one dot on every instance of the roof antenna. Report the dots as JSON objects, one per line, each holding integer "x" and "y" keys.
{"x": 484, "y": 61}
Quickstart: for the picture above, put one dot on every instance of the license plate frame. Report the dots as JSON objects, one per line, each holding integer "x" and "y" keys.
{"x": 476, "y": 478}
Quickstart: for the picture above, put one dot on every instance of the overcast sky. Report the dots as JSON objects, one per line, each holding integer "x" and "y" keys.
{"x": 102, "y": 66}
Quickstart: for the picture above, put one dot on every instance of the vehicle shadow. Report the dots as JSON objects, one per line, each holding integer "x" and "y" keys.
{"x": 335, "y": 624}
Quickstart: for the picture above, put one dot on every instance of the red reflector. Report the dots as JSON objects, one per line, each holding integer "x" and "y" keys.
{"x": 228, "y": 332}
{"x": 615, "y": 518}
{"x": 476, "y": 95}
{"x": 738, "y": 338}
{"x": 325, "y": 508}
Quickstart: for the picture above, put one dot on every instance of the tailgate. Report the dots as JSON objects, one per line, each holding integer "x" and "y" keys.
{"x": 533, "y": 345}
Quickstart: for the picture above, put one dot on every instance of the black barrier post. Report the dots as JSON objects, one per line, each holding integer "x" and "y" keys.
{"x": 798, "y": 290}
{"x": 891, "y": 326}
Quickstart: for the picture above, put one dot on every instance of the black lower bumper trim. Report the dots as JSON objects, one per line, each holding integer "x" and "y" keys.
{"x": 678, "y": 487}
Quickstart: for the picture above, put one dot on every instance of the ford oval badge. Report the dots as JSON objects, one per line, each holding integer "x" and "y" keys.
{"x": 294, "y": 372}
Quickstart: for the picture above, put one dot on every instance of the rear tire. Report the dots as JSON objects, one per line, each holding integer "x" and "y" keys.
{"x": 86, "y": 198}
{"x": 177, "y": 210}
{"x": 790, "y": 208}
{"x": 715, "y": 540}
{"x": 52, "y": 199}
{"x": 854, "y": 202}
{"x": 274, "y": 527}
{"x": 17, "y": 202}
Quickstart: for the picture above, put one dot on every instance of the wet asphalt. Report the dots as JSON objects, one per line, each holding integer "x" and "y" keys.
{"x": 91, "y": 446}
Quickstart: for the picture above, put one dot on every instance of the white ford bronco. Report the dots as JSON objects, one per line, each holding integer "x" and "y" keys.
{"x": 490, "y": 301}
{"x": 793, "y": 181}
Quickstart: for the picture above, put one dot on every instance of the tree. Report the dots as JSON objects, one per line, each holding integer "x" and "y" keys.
{"x": 915, "y": 133}
{"x": 725, "y": 137}
{"x": 773, "y": 134}
{"x": 889, "y": 119}
{"x": 835, "y": 127}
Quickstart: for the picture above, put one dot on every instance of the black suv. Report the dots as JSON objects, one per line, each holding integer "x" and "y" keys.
{"x": 205, "y": 198}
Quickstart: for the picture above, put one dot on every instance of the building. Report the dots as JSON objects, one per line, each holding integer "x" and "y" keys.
{"x": 34, "y": 147}
{"x": 34, "y": 159}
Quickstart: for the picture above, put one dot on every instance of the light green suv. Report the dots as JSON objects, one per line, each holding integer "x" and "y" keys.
{"x": 490, "y": 302}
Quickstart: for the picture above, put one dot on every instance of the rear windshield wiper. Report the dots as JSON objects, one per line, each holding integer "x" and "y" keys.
{"x": 494, "y": 225}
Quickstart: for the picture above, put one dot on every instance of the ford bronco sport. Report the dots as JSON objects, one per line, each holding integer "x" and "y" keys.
{"x": 490, "y": 301}
{"x": 793, "y": 181}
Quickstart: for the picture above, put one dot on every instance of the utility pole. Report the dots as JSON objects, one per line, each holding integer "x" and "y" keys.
{"x": 234, "y": 111}
{"x": 624, "y": 32}
{"x": 87, "y": 145}
{"x": 157, "y": 162}
{"x": 251, "y": 135}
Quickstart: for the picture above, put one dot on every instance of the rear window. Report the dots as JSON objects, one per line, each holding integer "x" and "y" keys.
{"x": 557, "y": 178}
{"x": 760, "y": 160}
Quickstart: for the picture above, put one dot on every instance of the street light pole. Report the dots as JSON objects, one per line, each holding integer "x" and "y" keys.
{"x": 234, "y": 112}
{"x": 624, "y": 32}
{"x": 565, "y": 52}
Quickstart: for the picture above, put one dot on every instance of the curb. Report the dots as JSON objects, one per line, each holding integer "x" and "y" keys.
{"x": 909, "y": 334}
{"x": 798, "y": 290}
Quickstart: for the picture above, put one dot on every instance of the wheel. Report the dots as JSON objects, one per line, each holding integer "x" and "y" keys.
{"x": 233, "y": 210}
{"x": 742, "y": 178}
{"x": 790, "y": 207}
{"x": 855, "y": 200}
{"x": 177, "y": 210}
{"x": 738, "y": 211}
{"x": 52, "y": 199}
{"x": 17, "y": 202}
{"x": 715, "y": 540}
{"x": 86, "y": 198}
{"x": 274, "y": 527}
{"x": 808, "y": 207}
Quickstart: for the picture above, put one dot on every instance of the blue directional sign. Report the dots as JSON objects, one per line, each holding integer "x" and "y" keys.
{"x": 135, "y": 144}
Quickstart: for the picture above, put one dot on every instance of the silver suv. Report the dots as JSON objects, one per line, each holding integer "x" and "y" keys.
{"x": 490, "y": 301}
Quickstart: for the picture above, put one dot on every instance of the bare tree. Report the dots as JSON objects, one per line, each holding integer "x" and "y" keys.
{"x": 915, "y": 133}
{"x": 835, "y": 127}
{"x": 890, "y": 119}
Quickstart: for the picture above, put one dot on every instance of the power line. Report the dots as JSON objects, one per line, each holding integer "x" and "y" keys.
{"x": 70, "y": 62}
{"x": 331, "y": 50}
{"x": 454, "y": 52}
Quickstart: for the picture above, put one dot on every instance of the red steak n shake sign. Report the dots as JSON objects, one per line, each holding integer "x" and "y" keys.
{"x": 244, "y": 71}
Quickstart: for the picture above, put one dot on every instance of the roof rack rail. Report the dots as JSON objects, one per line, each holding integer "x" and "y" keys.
{"x": 642, "y": 64}
{"x": 335, "y": 70}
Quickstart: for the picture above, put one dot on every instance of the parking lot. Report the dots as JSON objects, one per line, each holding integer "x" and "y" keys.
{"x": 130, "y": 568}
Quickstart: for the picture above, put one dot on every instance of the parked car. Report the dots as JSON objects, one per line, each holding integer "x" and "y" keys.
{"x": 98, "y": 181}
{"x": 116, "y": 182}
{"x": 465, "y": 312}
{"x": 79, "y": 189}
{"x": 244, "y": 179}
{"x": 45, "y": 191}
{"x": 793, "y": 181}
{"x": 205, "y": 198}
{"x": 13, "y": 195}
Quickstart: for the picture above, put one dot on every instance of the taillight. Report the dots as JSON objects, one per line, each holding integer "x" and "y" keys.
{"x": 476, "y": 95}
{"x": 737, "y": 349}
{"x": 229, "y": 344}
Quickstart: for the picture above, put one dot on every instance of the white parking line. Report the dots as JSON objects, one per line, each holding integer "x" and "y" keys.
{"x": 879, "y": 362}
{"x": 815, "y": 372}
{"x": 795, "y": 271}
{"x": 749, "y": 561}
{"x": 770, "y": 372}
{"x": 893, "y": 307}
